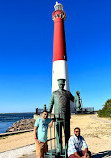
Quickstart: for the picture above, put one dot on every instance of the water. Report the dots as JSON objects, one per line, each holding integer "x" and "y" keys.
{"x": 7, "y": 120}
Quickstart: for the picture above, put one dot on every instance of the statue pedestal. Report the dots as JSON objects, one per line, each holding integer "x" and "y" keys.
{"x": 52, "y": 154}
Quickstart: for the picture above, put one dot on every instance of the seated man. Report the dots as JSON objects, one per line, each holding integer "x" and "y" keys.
{"x": 75, "y": 144}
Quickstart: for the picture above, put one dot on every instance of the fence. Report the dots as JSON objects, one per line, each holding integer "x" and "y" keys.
{"x": 88, "y": 109}
{"x": 52, "y": 144}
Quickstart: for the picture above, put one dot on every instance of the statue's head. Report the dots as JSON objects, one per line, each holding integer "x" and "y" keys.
{"x": 61, "y": 83}
{"x": 77, "y": 92}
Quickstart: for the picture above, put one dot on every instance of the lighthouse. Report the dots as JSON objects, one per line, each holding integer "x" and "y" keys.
{"x": 60, "y": 65}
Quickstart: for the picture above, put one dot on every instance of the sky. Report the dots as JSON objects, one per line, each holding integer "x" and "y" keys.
{"x": 26, "y": 52}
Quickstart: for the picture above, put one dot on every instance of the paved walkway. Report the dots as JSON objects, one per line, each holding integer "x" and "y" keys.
{"x": 29, "y": 156}
{"x": 105, "y": 154}
{"x": 100, "y": 119}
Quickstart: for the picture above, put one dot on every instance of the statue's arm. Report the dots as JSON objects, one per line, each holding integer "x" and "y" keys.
{"x": 71, "y": 97}
{"x": 51, "y": 104}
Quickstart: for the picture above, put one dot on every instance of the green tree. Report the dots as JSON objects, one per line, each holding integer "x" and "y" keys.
{"x": 106, "y": 110}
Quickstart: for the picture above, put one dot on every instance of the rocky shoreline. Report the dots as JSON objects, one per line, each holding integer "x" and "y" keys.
{"x": 23, "y": 124}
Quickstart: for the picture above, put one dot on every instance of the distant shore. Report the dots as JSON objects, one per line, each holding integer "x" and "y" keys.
{"x": 17, "y": 112}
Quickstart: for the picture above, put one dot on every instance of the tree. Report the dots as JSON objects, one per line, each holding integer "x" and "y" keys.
{"x": 106, "y": 110}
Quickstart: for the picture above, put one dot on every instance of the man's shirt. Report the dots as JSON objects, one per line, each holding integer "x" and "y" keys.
{"x": 75, "y": 144}
{"x": 42, "y": 125}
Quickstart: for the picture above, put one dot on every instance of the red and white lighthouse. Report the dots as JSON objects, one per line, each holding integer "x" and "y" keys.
{"x": 60, "y": 66}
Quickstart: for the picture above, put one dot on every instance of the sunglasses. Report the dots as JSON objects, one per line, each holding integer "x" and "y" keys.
{"x": 45, "y": 114}
{"x": 77, "y": 131}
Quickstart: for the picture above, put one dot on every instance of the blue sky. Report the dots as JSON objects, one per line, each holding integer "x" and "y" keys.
{"x": 26, "y": 52}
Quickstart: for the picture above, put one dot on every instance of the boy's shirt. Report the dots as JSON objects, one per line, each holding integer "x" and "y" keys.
{"x": 42, "y": 125}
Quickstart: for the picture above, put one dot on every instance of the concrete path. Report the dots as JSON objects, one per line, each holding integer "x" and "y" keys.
{"x": 16, "y": 132}
{"x": 105, "y": 154}
{"x": 29, "y": 156}
{"x": 18, "y": 152}
{"x": 100, "y": 119}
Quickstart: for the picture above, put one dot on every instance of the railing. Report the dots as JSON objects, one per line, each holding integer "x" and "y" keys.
{"x": 52, "y": 144}
{"x": 88, "y": 109}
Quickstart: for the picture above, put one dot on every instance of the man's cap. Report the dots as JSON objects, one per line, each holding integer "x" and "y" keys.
{"x": 61, "y": 81}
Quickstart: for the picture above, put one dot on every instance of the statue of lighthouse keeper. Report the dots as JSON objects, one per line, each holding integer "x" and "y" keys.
{"x": 78, "y": 102}
{"x": 60, "y": 99}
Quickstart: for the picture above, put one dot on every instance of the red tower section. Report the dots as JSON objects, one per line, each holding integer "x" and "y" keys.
{"x": 59, "y": 44}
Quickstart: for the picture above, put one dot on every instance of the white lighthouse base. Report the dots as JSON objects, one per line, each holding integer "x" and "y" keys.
{"x": 60, "y": 71}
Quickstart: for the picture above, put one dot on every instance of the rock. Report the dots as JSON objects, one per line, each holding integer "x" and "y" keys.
{"x": 23, "y": 124}
{"x": 11, "y": 130}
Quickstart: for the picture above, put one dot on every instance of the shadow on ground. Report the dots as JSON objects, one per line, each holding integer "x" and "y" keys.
{"x": 104, "y": 154}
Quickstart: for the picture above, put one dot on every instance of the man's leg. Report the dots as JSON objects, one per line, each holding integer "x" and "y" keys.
{"x": 79, "y": 153}
{"x": 72, "y": 156}
{"x": 40, "y": 150}
{"x": 88, "y": 154}
{"x": 67, "y": 130}
{"x": 66, "y": 126}
{"x": 37, "y": 150}
{"x": 45, "y": 147}
{"x": 59, "y": 136}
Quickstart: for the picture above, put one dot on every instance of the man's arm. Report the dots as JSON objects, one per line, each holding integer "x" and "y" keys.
{"x": 85, "y": 147}
{"x": 76, "y": 154}
{"x": 86, "y": 151}
{"x": 51, "y": 123}
{"x": 51, "y": 104}
{"x": 35, "y": 135}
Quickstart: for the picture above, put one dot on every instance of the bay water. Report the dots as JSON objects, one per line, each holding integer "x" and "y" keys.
{"x": 8, "y": 119}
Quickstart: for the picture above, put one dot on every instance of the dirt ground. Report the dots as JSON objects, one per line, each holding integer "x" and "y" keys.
{"x": 96, "y": 131}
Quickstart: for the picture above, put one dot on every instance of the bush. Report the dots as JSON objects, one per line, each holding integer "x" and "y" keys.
{"x": 106, "y": 110}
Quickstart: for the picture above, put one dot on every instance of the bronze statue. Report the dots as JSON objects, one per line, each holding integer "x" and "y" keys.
{"x": 60, "y": 99}
{"x": 78, "y": 102}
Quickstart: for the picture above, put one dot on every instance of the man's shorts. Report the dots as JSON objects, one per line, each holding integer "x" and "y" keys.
{"x": 41, "y": 148}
